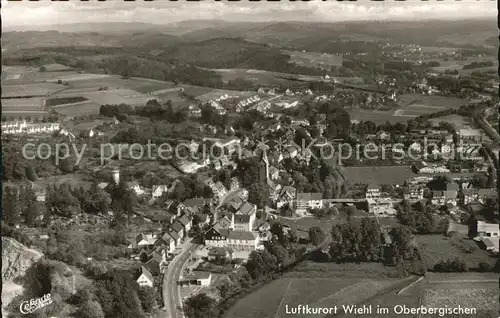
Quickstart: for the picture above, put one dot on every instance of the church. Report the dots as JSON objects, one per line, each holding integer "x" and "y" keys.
{"x": 265, "y": 175}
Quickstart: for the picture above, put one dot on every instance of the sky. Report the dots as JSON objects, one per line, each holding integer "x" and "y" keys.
{"x": 46, "y": 12}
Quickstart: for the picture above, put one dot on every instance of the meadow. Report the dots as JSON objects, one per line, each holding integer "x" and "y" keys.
{"x": 378, "y": 174}
{"x": 314, "y": 59}
{"x": 35, "y": 89}
{"x": 318, "y": 285}
{"x": 435, "y": 248}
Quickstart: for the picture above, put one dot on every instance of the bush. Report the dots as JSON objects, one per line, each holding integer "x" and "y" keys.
{"x": 484, "y": 267}
{"x": 451, "y": 266}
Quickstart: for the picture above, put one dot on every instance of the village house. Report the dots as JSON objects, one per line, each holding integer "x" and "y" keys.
{"x": 225, "y": 222}
{"x": 217, "y": 238}
{"x": 219, "y": 190}
{"x": 197, "y": 278}
{"x": 193, "y": 202}
{"x": 202, "y": 219}
{"x": 142, "y": 240}
{"x": 373, "y": 192}
{"x": 491, "y": 244}
{"x": 469, "y": 195}
{"x": 307, "y": 201}
{"x": 136, "y": 187}
{"x": 220, "y": 253}
{"x": 485, "y": 229}
{"x": 178, "y": 229}
{"x": 448, "y": 196}
{"x": 194, "y": 111}
{"x": 470, "y": 136}
{"x": 240, "y": 240}
{"x": 286, "y": 196}
{"x": 244, "y": 218}
{"x": 486, "y": 193}
{"x": 186, "y": 223}
{"x": 145, "y": 278}
{"x": 174, "y": 236}
{"x": 167, "y": 243}
{"x": 154, "y": 263}
{"x": 158, "y": 191}
{"x": 413, "y": 192}
{"x": 234, "y": 183}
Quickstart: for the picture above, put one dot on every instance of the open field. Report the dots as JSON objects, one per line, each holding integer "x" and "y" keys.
{"x": 313, "y": 59}
{"x": 460, "y": 122}
{"x": 262, "y": 77}
{"x": 379, "y": 174}
{"x": 475, "y": 290}
{"x": 56, "y": 67}
{"x": 22, "y": 104}
{"x": 413, "y": 105}
{"x": 458, "y": 65}
{"x": 96, "y": 81}
{"x": 375, "y": 116}
{"x": 111, "y": 96}
{"x": 435, "y": 248}
{"x": 77, "y": 109}
{"x": 38, "y": 89}
{"x": 317, "y": 285}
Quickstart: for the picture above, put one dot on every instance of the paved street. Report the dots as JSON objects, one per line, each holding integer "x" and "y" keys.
{"x": 170, "y": 290}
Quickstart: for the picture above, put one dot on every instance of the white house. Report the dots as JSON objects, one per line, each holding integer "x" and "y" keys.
{"x": 243, "y": 240}
{"x": 158, "y": 191}
{"x": 309, "y": 201}
{"x": 373, "y": 192}
{"x": 487, "y": 230}
{"x": 145, "y": 278}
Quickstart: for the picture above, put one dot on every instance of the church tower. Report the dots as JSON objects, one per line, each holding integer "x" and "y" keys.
{"x": 263, "y": 167}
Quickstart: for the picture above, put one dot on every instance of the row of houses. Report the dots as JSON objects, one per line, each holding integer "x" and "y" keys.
{"x": 30, "y": 128}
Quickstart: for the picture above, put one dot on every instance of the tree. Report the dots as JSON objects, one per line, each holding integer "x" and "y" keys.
{"x": 91, "y": 309}
{"x": 370, "y": 240}
{"x": 316, "y": 235}
{"x": 11, "y": 213}
{"x": 199, "y": 306}
{"x": 258, "y": 194}
{"x": 147, "y": 297}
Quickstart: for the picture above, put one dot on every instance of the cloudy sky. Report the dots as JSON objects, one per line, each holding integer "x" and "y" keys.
{"x": 46, "y": 12}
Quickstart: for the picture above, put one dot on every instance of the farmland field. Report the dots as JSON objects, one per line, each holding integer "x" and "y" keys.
{"x": 414, "y": 105}
{"x": 262, "y": 77}
{"x": 38, "y": 89}
{"x": 378, "y": 174}
{"x": 460, "y": 122}
{"x": 77, "y": 109}
{"x": 458, "y": 65}
{"x": 435, "y": 248}
{"x": 64, "y": 100}
{"x": 313, "y": 59}
{"x": 56, "y": 67}
{"x": 375, "y": 116}
{"x": 343, "y": 284}
{"x": 22, "y": 104}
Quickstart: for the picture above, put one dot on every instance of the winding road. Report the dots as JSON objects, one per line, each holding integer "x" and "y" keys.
{"x": 170, "y": 289}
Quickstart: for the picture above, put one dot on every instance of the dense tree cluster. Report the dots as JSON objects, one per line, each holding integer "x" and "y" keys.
{"x": 356, "y": 242}
{"x": 418, "y": 217}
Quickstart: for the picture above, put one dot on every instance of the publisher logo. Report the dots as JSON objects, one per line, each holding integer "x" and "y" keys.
{"x": 28, "y": 307}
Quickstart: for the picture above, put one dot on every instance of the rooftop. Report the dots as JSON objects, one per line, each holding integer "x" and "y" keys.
{"x": 309, "y": 196}
{"x": 242, "y": 235}
{"x": 487, "y": 227}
